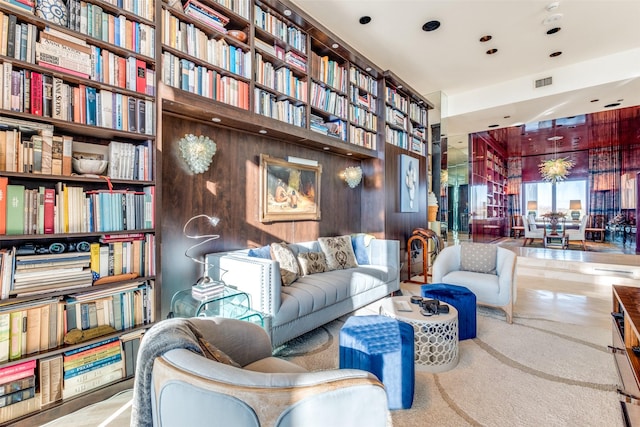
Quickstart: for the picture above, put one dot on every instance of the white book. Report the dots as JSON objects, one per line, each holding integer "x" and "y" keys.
{"x": 106, "y": 112}
{"x": 71, "y": 391}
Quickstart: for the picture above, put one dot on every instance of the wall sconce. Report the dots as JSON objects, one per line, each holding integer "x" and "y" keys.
{"x": 352, "y": 175}
{"x": 213, "y": 221}
{"x": 197, "y": 151}
{"x": 576, "y": 207}
{"x": 532, "y": 207}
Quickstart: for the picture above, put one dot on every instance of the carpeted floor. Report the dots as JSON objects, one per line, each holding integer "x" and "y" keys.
{"x": 531, "y": 373}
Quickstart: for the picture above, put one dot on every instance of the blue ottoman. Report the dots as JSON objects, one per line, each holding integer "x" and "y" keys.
{"x": 383, "y": 346}
{"x": 462, "y": 299}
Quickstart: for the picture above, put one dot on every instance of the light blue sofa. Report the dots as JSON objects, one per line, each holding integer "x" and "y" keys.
{"x": 312, "y": 300}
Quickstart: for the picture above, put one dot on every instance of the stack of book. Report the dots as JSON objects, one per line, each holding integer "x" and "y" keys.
{"x": 206, "y": 15}
{"x": 207, "y": 289}
{"x": 92, "y": 366}
{"x": 62, "y": 52}
{"x": 17, "y": 390}
{"x": 317, "y": 124}
{"x": 36, "y": 274}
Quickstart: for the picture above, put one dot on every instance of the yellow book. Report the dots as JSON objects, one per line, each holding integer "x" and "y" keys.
{"x": 95, "y": 258}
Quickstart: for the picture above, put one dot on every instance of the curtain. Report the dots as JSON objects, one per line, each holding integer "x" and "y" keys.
{"x": 514, "y": 186}
{"x": 604, "y": 180}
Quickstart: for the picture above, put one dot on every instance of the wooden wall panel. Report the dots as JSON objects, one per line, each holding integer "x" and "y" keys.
{"x": 230, "y": 191}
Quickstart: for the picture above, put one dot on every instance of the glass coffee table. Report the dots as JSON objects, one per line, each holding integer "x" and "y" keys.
{"x": 231, "y": 303}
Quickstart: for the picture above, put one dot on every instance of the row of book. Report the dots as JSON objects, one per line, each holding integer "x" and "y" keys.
{"x": 281, "y": 79}
{"x": 363, "y": 99}
{"x": 41, "y": 94}
{"x": 123, "y": 254}
{"x": 273, "y": 25}
{"x": 395, "y": 117}
{"x": 41, "y": 324}
{"x": 418, "y": 113}
{"x": 329, "y": 101}
{"x": 396, "y": 137}
{"x": 143, "y": 8}
{"x": 184, "y": 74}
{"x": 363, "y": 81}
{"x": 92, "y": 20}
{"x": 70, "y": 209}
{"x": 189, "y": 39}
{"x": 239, "y": 7}
{"x": 267, "y": 104}
{"x": 130, "y": 161}
{"x": 363, "y": 138}
{"x": 362, "y": 117}
{"x": 206, "y": 15}
{"x": 395, "y": 99}
{"x": 334, "y": 128}
{"x": 329, "y": 71}
{"x": 417, "y": 146}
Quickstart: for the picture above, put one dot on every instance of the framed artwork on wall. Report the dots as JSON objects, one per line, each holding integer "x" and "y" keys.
{"x": 409, "y": 183}
{"x": 288, "y": 191}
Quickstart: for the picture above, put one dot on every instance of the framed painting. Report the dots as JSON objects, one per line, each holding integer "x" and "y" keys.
{"x": 288, "y": 191}
{"x": 409, "y": 183}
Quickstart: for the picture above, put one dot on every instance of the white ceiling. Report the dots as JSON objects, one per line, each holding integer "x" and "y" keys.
{"x": 599, "y": 41}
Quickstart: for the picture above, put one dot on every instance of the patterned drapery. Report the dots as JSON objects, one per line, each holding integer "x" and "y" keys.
{"x": 514, "y": 185}
{"x": 604, "y": 180}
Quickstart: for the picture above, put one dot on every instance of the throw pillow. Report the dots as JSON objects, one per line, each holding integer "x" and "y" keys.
{"x": 312, "y": 262}
{"x": 289, "y": 270}
{"x": 214, "y": 353}
{"x": 360, "y": 242}
{"x": 478, "y": 257}
{"x": 338, "y": 251}
{"x": 263, "y": 252}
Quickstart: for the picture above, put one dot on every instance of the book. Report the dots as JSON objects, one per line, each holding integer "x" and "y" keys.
{"x": 91, "y": 105}
{"x": 16, "y": 332}
{"x": 47, "y": 95}
{"x": 91, "y": 384}
{"x": 17, "y": 385}
{"x": 15, "y": 209}
{"x": 17, "y": 396}
{"x": 4, "y": 182}
{"x": 5, "y": 326}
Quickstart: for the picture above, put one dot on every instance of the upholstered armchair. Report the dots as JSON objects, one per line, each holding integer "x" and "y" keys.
{"x": 531, "y": 231}
{"x": 239, "y": 383}
{"x": 580, "y": 233}
{"x": 493, "y": 285}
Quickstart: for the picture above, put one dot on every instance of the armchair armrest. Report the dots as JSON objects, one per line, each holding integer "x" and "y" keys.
{"x": 506, "y": 270}
{"x": 384, "y": 252}
{"x": 447, "y": 261}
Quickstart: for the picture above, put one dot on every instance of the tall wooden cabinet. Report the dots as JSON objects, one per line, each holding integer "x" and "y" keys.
{"x": 77, "y": 245}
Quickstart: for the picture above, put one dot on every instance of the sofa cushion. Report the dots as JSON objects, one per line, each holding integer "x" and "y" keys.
{"x": 478, "y": 257}
{"x": 360, "y": 242}
{"x": 338, "y": 251}
{"x": 485, "y": 286}
{"x": 270, "y": 365}
{"x": 312, "y": 262}
{"x": 263, "y": 252}
{"x": 289, "y": 270}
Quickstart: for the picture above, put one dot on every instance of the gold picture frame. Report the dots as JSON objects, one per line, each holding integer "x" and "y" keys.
{"x": 288, "y": 191}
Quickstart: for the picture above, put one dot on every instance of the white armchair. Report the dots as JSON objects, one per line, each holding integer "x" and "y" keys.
{"x": 493, "y": 290}
{"x": 176, "y": 385}
{"x": 531, "y": 231}
{"x": 579, "y": 234}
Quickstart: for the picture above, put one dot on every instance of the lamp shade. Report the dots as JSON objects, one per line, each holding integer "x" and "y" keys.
{"x": 575, "y": 205}
{"x": 532, "y": 205}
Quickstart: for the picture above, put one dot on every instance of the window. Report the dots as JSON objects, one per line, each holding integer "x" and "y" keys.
{"x": 556, "y": 198}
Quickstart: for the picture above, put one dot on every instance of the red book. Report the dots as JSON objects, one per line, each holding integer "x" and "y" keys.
{"x": 49, "y": 209}
{"x": 4, "y": 181}
{"x": 19, "y": 367}
{"x": 141, "y": 76}
{"x": 122, "y": 72}
{"x": 36, "y": 93}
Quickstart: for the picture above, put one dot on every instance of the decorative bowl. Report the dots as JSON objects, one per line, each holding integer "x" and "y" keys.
{"x": 89, "y": 166}
{"x": 238, "y": 35}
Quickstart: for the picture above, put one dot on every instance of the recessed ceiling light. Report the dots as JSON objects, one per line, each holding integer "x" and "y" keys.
{"x": 287, "y": 12}
{"x": 326, "y": 148}
{"x": 506, "y": 117}
{"x": 620, "y": 100}
{"x": 364, "y": 20}
{"x": 431, "y": 26}
{"x": 595, "y": 100}
{"x": 615, "y": 104}
{"x": 486, "y": 38}
{"x": 493, "y": 126}
{"x": 555, "y": 138}
{"x": 492, "y": 51}
{"x": 399, "y": 87}
{"x": 216, "y": 119}
{"x": 554, "y": 54}
{"x": 335, "y": 45}
{"x": 262, "y": 131}
{"x": 552, "y": 19}
{"x": 349, "y": 154}
{"x": 552, "y": 6}
{"x": 553, "y": 30}
{"x": 368, "y": 69}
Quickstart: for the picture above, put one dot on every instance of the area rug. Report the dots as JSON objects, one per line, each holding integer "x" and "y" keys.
{"x": 530, "y": 373}
{"x": 533, "y": 372}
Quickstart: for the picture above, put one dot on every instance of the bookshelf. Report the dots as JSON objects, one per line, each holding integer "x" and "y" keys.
{"x": 77, "y": 251}
{"x": 405, "y": 115}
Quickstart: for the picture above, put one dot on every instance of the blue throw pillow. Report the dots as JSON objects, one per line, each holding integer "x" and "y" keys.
{"x": 360, "y": 248}
{"x": 263, "y": 252}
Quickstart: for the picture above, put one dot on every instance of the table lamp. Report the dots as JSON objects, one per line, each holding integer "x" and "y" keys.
{"x": 532, "y": 207}
{"x": 576, "y": 207}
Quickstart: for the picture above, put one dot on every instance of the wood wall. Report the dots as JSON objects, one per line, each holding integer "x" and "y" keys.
{"x": 230, "y": 191}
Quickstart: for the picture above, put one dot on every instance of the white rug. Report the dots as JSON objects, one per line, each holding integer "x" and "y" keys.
{"x": 534, "y": 373}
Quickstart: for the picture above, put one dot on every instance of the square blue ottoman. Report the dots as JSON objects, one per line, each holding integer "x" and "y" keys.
{"x": 462, "y": 299}
{"x": 383, "y": 346}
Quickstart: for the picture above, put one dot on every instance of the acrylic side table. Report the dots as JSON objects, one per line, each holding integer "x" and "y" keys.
{"x": 231, "y": 303}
